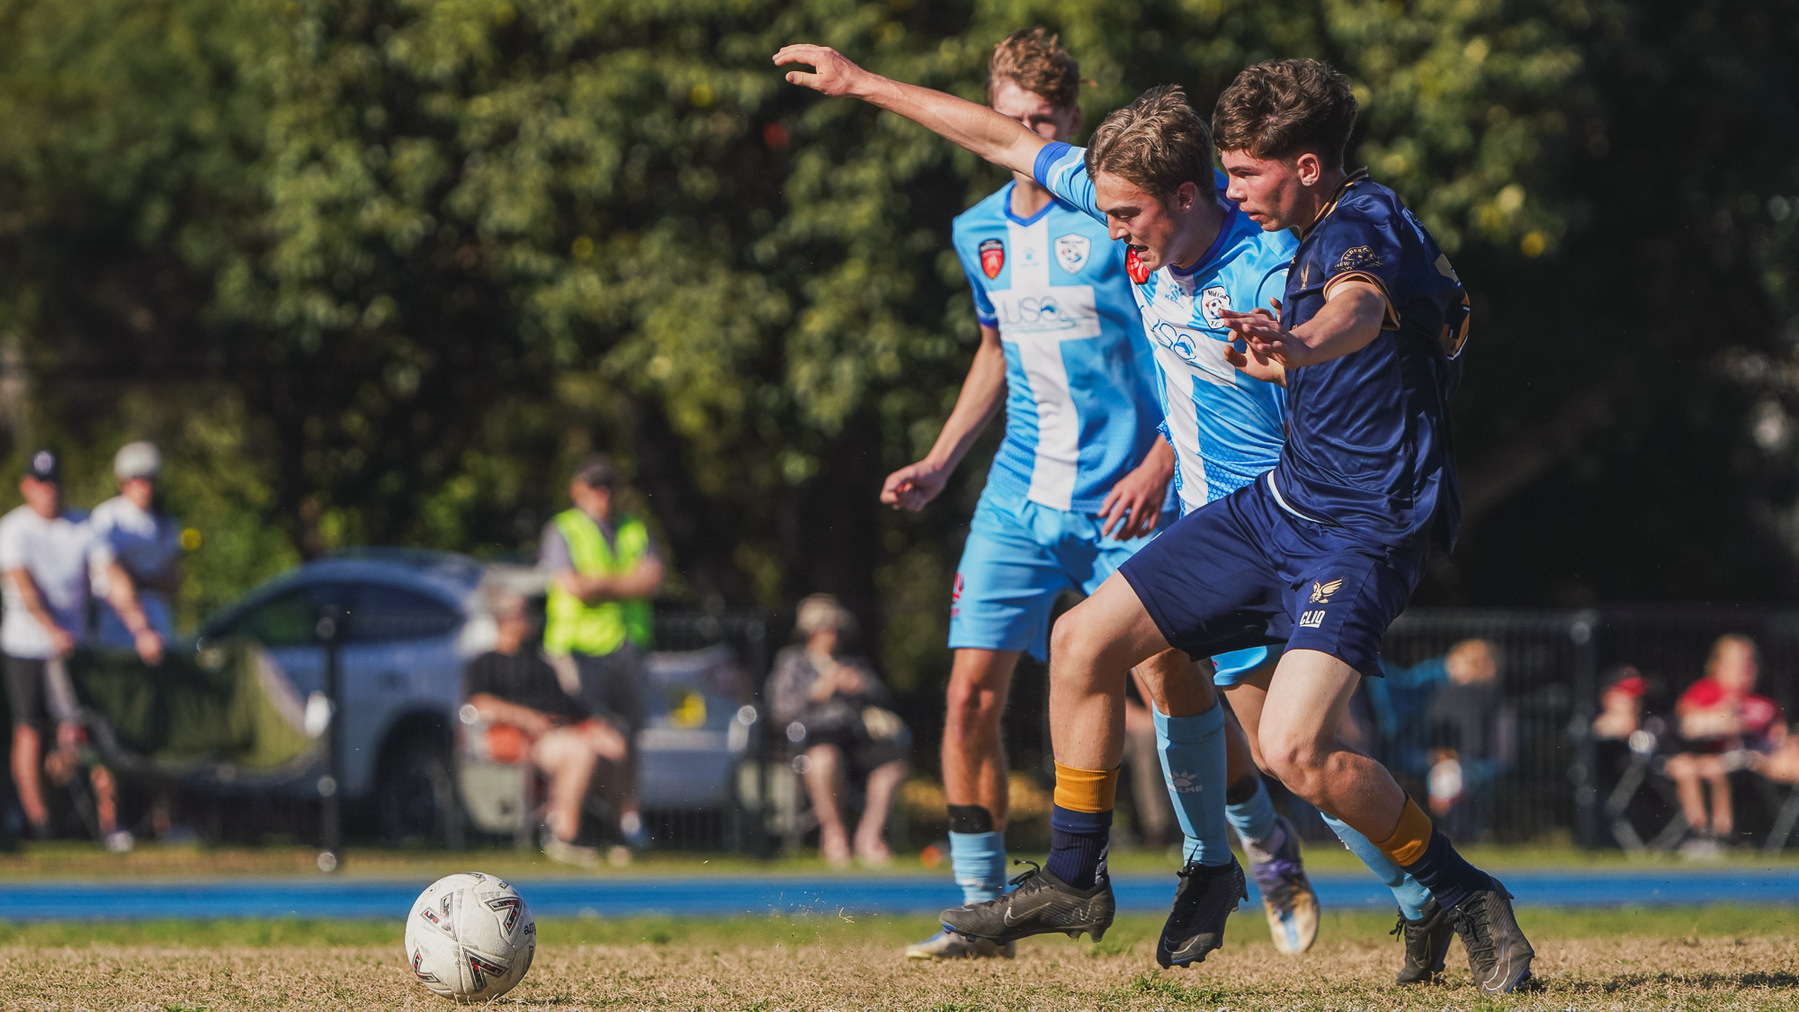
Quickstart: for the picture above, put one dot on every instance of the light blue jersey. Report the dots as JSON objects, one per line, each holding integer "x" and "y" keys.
{"x": 1226, "y": 428}
{"x": 1080, "y": 400}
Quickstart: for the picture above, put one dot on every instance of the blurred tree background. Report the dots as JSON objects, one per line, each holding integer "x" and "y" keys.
{"x": 379, "y": 271}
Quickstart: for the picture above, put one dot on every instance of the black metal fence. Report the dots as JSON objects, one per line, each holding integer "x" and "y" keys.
{"x": 1552, "y": 667}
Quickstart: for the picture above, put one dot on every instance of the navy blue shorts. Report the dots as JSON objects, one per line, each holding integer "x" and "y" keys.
{"x": 1242, "y": 572}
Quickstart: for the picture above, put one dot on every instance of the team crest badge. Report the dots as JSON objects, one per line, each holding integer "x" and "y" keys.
{"x": 1072, "y": 251}
{"x": 1214, "y": 302}
{"x": 993, "y": 257}
{"x": 1357, "y": 258}
{"x": 1134, "y": 266}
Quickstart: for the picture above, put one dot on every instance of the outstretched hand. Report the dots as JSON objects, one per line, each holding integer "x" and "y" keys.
{"x": 1269, "y": 350}
{"x": 833, "y": 73}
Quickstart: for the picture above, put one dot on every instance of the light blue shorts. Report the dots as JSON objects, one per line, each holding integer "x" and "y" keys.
{"x": 1020, "y": 556}
{"x": 1238, "y": 663}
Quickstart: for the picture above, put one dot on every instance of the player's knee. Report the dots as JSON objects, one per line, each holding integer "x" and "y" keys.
{"x": 1296, "y": 761}
{"x": 973, "y": 708}
{"x": 1076, "y": 647}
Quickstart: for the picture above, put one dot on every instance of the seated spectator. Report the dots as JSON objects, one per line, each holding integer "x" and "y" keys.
{"x": 1621, "y": 705}
{"x": 840, "y": 715}
{"x": 1724, "y": 726}
{"x": 1472, "y": 731}
{"x": 516, "y": 692}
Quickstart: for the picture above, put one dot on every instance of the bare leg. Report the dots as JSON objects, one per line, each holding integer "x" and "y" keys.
{"x": 568, "y": 759}
{"x": 1175, "y": 684}
{"x": 1094, "y": 646}
{"x": 1306, "y": 700}
{"x": 1683, "y": 769}
{"x": 27, "y": 754}
{"x": 824, "y": 779}
{"x": 883, "y": 783}
{"x": 974, "y": 757}
{"x": 1723, "y": 814}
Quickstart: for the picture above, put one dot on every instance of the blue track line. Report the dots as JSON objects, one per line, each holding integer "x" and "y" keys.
{"x": 715, "y": 896}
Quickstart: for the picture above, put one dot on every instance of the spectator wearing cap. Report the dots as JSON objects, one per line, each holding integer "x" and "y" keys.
{"x": 144, "y": 539}
{"x": 602, "y": 572}
{"x": 49, "y": 557}
{"x": 836, "y": 711}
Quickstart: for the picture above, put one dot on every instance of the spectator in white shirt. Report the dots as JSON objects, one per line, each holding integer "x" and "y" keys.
{"x": 144, "y": 540}
{"x": 48, "y": 556}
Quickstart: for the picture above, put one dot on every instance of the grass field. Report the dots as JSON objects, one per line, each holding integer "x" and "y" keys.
{"x": 1715, "y": 958}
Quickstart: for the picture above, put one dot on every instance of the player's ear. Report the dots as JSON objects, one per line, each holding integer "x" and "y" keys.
{"x": 1185, "y": 196}
{"x": 1308, "y": 168}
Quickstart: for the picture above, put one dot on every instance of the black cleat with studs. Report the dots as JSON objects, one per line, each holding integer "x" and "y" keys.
{"x": 1039, "y": 904}
{"x": 1202, "y": 901}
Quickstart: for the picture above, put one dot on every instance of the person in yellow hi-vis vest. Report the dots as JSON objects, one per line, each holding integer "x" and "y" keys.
{"x": 602, "y": 572}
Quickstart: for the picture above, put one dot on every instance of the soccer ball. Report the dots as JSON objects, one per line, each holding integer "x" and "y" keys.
{"x": 470, "y": 937}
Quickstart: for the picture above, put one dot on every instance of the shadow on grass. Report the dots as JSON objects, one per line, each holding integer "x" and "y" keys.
{"x": 1699, "y": 979}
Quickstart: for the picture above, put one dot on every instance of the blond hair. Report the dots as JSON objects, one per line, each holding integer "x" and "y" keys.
{"x": 1034, "y": 60}
{"x": 1156, "y": 143}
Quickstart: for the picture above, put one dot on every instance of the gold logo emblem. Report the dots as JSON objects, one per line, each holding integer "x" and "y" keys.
{"x": 1321, "y": 592}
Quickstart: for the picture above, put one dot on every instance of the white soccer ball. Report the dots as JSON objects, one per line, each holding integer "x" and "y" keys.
{"x": 470, "y": 937}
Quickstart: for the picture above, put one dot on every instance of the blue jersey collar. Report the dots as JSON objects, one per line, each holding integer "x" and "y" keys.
{"x": 1005, "y": 204}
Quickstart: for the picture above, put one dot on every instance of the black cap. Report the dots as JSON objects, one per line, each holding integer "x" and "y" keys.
{"x": 596, "y": 472}
{"x": 44, "y": 466}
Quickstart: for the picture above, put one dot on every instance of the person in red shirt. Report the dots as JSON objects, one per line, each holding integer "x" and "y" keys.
{"x": 1726, "y": 726}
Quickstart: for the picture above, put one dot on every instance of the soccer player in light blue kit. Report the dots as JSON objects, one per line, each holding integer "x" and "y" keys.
{"x": 1076, "y": 485}
{"x": 1194, "y": 258}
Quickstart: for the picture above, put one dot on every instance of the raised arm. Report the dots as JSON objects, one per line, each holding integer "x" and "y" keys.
{"x": 1000, "y": 140}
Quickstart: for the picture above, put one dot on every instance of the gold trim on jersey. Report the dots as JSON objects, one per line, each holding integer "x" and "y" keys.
{"x": 1390, "y": 320}
{"x": 1342, "y": 190}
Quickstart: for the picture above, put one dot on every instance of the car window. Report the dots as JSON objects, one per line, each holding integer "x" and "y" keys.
{"x": 382, "y": 613}
{"x": 288, "y": 619}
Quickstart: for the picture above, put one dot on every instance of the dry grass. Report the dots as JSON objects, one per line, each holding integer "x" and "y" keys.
{"x": 1587, "y": 962}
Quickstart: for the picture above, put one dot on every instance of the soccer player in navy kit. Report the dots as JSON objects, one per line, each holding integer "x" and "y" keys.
{"x": 1325, "y": 551}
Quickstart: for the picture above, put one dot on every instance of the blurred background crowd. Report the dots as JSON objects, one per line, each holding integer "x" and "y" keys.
{"x": 373, "y": 273}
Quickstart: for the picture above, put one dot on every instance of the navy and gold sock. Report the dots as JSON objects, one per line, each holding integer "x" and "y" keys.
{"x": 1080, "y": 824}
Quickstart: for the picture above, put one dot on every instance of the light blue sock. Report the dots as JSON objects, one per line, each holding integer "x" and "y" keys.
{"x": 1412, "y": 896}
{"x": 978, "y": 860}
{"x": 1254, "y": 820}
{"x": 1192, "y": 750}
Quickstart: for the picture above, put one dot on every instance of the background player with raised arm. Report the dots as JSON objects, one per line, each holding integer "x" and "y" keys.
{"x": 1235, "y": 429}
{"x": 1080, "y": 479}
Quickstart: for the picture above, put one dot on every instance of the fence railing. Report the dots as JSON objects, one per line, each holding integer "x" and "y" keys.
{"x": 1552, "y": 667}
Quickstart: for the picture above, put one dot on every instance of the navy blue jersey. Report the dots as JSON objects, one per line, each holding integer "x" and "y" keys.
{"x": 1369, "y": 444}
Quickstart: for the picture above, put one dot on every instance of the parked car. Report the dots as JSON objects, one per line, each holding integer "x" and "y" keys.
{"x": 411, "y": 619}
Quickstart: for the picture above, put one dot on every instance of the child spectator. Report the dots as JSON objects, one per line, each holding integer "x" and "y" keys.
{"x": 1725, "y": 726}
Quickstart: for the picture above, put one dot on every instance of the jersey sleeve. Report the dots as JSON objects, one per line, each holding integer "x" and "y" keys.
{"x": 966, "y": 254}
{"x": 1362, "y": 244}
{"x": 12, "y": 547}
{"x": 983, "y": 303}
{"x": 1062, "y": 170}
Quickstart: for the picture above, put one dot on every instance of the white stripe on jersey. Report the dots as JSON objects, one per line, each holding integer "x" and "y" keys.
{"x": 1037, "y": 318}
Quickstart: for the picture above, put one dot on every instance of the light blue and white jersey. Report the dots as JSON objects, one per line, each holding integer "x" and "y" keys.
{"x": 1081, "y": 407}
{"x": 1226, "y": 428}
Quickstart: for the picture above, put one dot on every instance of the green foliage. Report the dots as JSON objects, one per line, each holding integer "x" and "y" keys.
{"x": 380, "y": 270}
